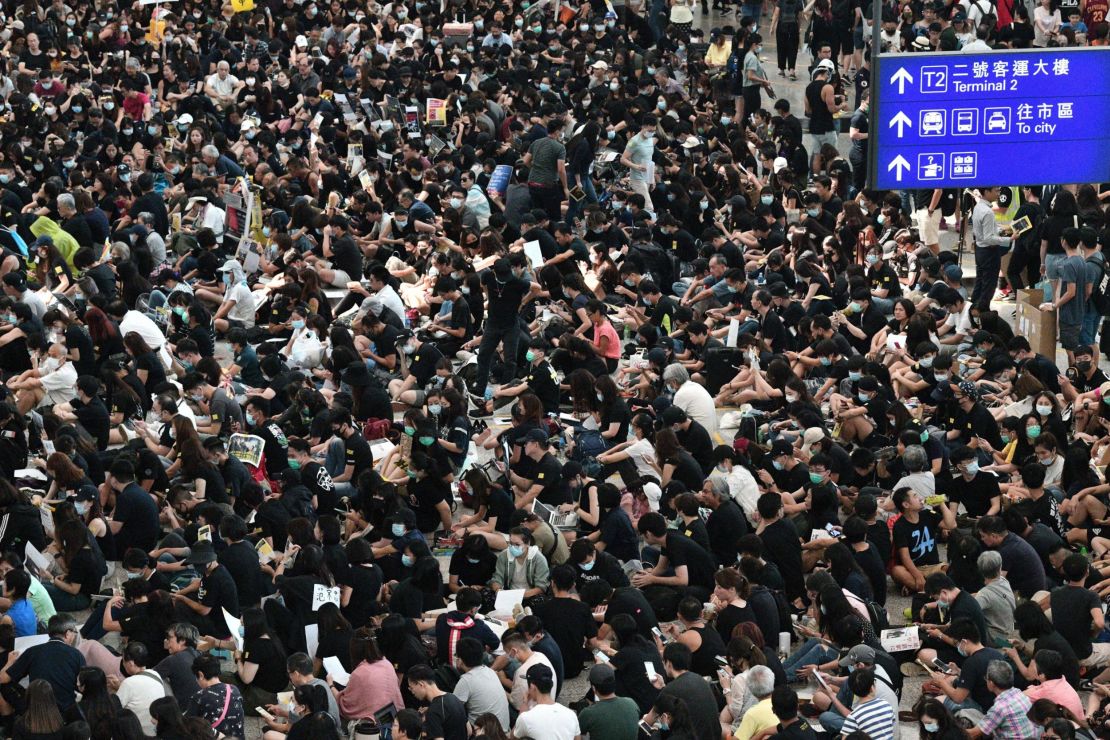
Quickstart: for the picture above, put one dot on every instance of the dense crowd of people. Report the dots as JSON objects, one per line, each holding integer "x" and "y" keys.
{"x": 445, "y": 370}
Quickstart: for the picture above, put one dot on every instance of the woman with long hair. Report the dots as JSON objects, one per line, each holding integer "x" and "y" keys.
{"x": 673, "y": 717}
{"x": 673, "y": 462}
{"x": 315, "y": 723}
{"x": 104, "y": 332}
{"x": 260, "y": 669}
{"x": 148, "y": 365}
{"x": 935, "y": 722}
{"x": 488, "y": 726}
{"x": 373, "y": 684}
{"x": 1037, "y": 632}
{"x": 65, "y": 477}
{"x": 83, "y": 566}
{"x": 98, "y": 706}
{"x": 635, "y": 651}
{"x": 402, "y": 648}
{"x": 335, "y": 634}
{"x": 41, "y": 720}
{"x": 421, "y": 591}
{"x": 309, "y": 571}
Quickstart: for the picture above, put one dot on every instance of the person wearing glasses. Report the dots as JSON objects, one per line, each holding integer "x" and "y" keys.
{"x": 56, "y": 661}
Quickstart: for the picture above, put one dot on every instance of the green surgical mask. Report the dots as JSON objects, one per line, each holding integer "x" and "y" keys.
{"x": 410, "y": 431}
{"x": 1033, "y": 431}
{"x": 426, "y": 441}
{"x": 816, "y": 478}
{"x": 294, "y": 464}
{"x": 530, "y": 355}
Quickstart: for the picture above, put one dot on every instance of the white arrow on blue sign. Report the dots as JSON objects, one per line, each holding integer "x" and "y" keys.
{"x": 898, "y": 164}
{"x": 902, "y": 77}
{"x": 901, "y": 120}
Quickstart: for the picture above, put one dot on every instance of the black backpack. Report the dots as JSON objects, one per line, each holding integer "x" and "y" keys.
{"x": 1100, "y": 292}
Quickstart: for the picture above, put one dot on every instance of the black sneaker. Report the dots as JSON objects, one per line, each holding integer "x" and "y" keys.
{"x": 480, "y": 413}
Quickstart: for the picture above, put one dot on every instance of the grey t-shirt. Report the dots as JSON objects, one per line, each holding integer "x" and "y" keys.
{"x": 546, "y": 153}
{"x": 177, "y": 671}
{"x": 481, "y": 692}
{"x": 1094, "y": 273}
{"x": 1073, "y": 270}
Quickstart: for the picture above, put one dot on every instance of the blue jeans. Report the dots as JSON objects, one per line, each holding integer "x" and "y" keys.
{"x": 968, "y": 703}
{"x": 1090, "y": 327}
{"x": 811, "y": 652}
{"x": 833, "y": 720}
{"x": 67, "y": 602}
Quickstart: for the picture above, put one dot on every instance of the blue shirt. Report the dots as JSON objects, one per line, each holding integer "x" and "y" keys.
{"x": 24, "y": 618}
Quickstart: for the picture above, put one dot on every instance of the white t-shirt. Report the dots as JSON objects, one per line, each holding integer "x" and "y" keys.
{"x": 695, "y": 400}
{"x": 60, "y": 385}
{"x": 391, "y": 300}
{"x": 518, "y": 697}
{"x": 244, "y": 307}
{"x": 640, "y": 452}
{"x": 547, "y": 722}
{"x": 137, "y": 692}
{"x": 225, "y": 86}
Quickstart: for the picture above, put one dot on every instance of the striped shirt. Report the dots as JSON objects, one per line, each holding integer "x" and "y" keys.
{"x": 874, "y": 717}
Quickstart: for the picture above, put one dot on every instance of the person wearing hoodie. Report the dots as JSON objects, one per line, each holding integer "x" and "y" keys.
{"x": 461, "y": 622}
{"x": 237, "y": 304}
{"x": 521, "y": 566}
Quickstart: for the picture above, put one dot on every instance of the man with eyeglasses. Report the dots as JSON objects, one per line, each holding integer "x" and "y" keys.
{"x": 55, "y": 661}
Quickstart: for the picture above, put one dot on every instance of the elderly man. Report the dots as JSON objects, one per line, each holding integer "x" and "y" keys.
{"x": 221, "y": 164}
{"x": 1008, "y": 718}
{"x": 305, "y": 77}
{"x": 222, "y": 87}
{"x": 74, "y": 223}
{"x": 726, "y": 524}
{"x": 691, "y": 397}
{"x": 50, "y": 380}
{"x": 996, "y": 598}
{"x": 761, "y": 682}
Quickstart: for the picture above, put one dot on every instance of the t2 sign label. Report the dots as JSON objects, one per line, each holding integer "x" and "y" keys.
{"x": 1029, "y": 117}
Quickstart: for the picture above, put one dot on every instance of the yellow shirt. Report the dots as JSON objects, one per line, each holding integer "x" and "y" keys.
{"x": 717, "y": 55}
{"x": 758, "y": 718}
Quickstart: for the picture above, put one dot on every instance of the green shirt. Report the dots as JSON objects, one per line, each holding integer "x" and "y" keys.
{"x": 611, "y": 719}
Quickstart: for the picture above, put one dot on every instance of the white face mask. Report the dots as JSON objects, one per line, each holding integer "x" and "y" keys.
{"x": 50, "y": 364}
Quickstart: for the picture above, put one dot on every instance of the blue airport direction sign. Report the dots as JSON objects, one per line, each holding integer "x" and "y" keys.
{"x": 1030, "y": 117}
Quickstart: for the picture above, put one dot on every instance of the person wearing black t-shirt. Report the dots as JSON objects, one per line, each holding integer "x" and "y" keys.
{"x": 445, "y": 716}
{"x": 540, "y": 380}
{"x": 693, "y": 567}
{"x": 545, "y": 474}
{"x": 771, "y": 328}
{"x": 423, "y": 358}
{"x": 90, "y": 411}
{"x": 692, "y": 436}
{"x": 782, "y": 544}
{"x": 241, "y": 561}
{"x": 217, "y": 591}
{"x": 341, "y": 250}
{"x": 357, "y": 455}
{"x": 916, "y": 538}
{"x": 865, "y": 322}
{"x": 957, "y": 605}
{"x": 276, "y": 444}
{"x": 977, "y": 490}
{"x": 457, "y": 324}
{"x": 505, "y": 291}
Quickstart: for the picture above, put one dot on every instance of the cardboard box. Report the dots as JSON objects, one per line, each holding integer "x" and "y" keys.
{"x": 1037, "y": 326}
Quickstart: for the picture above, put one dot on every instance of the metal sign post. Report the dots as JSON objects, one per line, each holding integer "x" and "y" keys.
{"x": 960, "y": 120}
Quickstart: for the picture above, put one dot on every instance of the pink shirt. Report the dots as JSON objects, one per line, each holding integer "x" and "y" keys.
{"x": 605, "y": 329}
{"x": 373, "y": 686}
{"x": 1061, "y": 692}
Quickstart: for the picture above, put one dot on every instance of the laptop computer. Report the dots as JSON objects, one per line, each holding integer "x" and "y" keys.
{"x": 554, "y": 517}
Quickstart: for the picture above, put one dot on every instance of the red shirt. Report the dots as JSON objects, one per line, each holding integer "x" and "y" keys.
{"x": 134, "y": 105}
